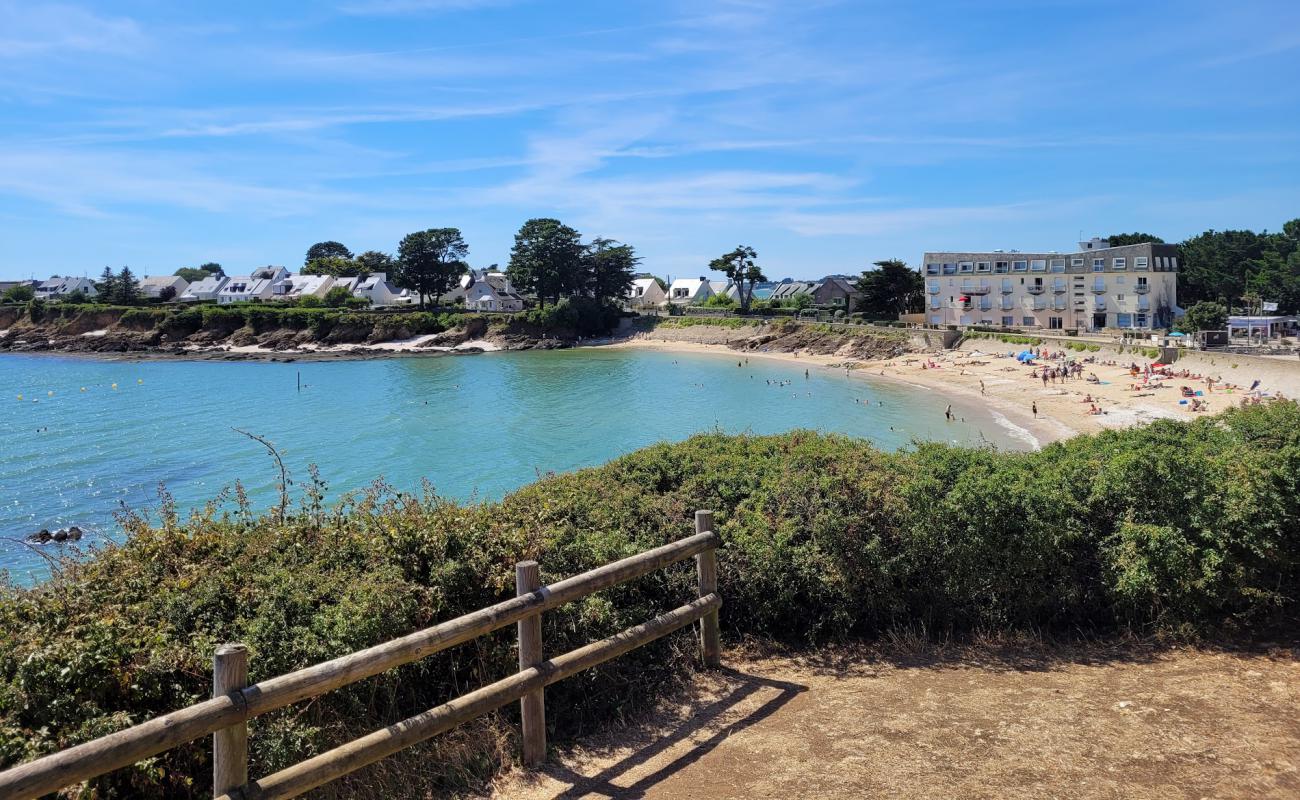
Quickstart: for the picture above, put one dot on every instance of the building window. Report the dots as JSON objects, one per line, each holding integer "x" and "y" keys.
{"x": 1140, "y": 262}
{"x": 1124, "y": 320}
{"x": 1054, "y": 323}
{"x": 1037, "y": 265}
{"x": 963, "y": 266}
{"x": 1120, "y": 263}
{"x": 1030, "y": 321}
{"x": 1076, "y": 262}
{"x": 1119, "y": 297}
{"x": 981, "y": 266}
{"x": 1000, "y": 266}
{"x": 1098, "y": 264}
{"x": 931, "y": 269}
{"x": 1057, "y": 265}
{"x": 1173, "y": 263}
{"x": 1008, "y": 322}
{"x": 1140, "y": 321}
{"x": 949, "y": 269}
{"x": 1018, "y": 266}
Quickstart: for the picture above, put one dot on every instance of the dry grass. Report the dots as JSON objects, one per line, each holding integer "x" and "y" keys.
{"x": 1015, "y": 718}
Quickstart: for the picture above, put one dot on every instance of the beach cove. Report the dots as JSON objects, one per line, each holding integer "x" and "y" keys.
{"x": 91, "y": 437}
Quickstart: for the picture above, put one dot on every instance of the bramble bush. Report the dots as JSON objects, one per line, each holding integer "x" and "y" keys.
{"x": 1177, "y": 529}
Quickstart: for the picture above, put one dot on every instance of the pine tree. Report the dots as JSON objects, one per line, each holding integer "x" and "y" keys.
{"x": 107, "y": 286}
{"x": 128, "y": 288}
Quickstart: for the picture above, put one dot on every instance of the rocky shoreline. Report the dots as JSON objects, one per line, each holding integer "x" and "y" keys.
{"x": 123, "y": 342}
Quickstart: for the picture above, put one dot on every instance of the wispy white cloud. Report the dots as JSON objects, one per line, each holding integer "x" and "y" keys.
{"x": 39, "y": 28}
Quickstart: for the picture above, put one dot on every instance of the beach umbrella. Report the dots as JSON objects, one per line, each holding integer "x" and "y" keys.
{"x": 1025, "y": 355}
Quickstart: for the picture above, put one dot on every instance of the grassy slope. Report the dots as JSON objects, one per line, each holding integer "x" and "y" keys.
{"x": 1178, "y": 528}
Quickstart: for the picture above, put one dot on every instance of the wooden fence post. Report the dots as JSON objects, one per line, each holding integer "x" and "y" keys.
{"x": 532, "y": 706}
{"x": 229, "y": 745}
{"x": 706, "y": 568}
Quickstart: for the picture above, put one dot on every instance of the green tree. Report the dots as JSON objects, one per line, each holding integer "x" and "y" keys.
{"x": 330, "y": 249}
{"x": 373, "y": 261}
{"x": 107, "y": 286}
{"x": 334, "y": 298}
{"x": 547, "y": 259}
{"x": 610, "y": 267}
{"x": 1275, "y": 278}
{"x": 891, "y": 289}
{"x": 720, "y": 301}
{"x": 1204, "y": 316}
{"x": 75, "y": 297}
{"x": 196, "y": 274}
{"x": 337, "y": 266}
{"x": 21, "y": 293}
{"x": 1214, "y": 265}
{"x": 128, "y": 288}
{"x": 1121, "y": 239}
{"x": 167, "y": 294}
{"x": 430, "y": 261}
{"x": 741, "y": 267}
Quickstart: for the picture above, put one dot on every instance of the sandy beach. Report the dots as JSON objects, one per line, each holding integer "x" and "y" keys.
{"x": 986, "y": 374}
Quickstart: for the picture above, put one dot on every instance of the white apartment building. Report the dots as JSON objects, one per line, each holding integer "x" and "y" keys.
{"x": 1095, "y": 287}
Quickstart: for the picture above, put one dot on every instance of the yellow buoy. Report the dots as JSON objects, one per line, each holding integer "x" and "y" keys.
{"x": 139, "y": 380}
{"x": 20, "y": 397}
{"x": 49, "y": 394}
{"x": 115, "y": 387}
{"x": 83, "y": 388}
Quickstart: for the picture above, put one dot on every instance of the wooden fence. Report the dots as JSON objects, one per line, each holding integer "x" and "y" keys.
{"x": 234, "y": 702}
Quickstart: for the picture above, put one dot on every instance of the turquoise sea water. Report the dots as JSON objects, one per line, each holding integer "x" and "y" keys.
{"x": 474, "y": 426}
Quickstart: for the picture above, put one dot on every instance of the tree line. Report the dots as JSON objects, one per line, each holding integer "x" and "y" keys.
{"x": 548, "y": 259}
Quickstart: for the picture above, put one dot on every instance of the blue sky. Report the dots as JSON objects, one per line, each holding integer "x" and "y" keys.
{"x": 825, "y": 134}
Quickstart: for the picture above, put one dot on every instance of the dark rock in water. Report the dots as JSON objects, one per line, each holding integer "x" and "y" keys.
{"x": 74, "y": 533}
{"x": 60, "y": 535}
{"x": 42, "y": 535}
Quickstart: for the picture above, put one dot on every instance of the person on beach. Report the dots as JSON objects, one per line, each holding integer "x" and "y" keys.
{"x": 1034, "y": 407}
{"x": 981, "y": 387}
{"x": 948, "y": 413}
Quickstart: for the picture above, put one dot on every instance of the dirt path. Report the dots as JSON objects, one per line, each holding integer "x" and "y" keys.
{"x": 1095, "y": 723}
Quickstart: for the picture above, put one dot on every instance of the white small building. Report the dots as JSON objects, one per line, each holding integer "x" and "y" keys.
{"x": 491, "y": 291}
{"x": 152, "y": 287}
{"x": 645, "y": 293}
{"x": 296, "y": 287}
{"x": 689, "y": 291}
{"x": 1262, "y": 327}
{"x": 57, "y": 288}
{"x": 205, "y": 289}
{"x": 376, "y": 288}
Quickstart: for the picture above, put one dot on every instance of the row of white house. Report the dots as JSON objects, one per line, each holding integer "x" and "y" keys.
{"x": 480, "y": 290}
{"x": 647, "y": 293}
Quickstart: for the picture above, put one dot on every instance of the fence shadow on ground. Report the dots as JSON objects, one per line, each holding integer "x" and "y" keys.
{"x": 744, "y": 686}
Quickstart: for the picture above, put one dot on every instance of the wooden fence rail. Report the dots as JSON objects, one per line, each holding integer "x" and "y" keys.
{"x": 226, "y": 715}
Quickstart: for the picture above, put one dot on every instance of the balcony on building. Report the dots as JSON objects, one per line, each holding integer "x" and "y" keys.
{"x": 933, "y": 288}
{"x": 1036, "y": 288}
{"x": 1099, "y": 304}
{"x": 975, "y": 288}
{"x": 1142, "y": 288}
{"x": 1007, "y": 287}
{"x": 1099, "y": 288}
{"x": 1059, "y": 287}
